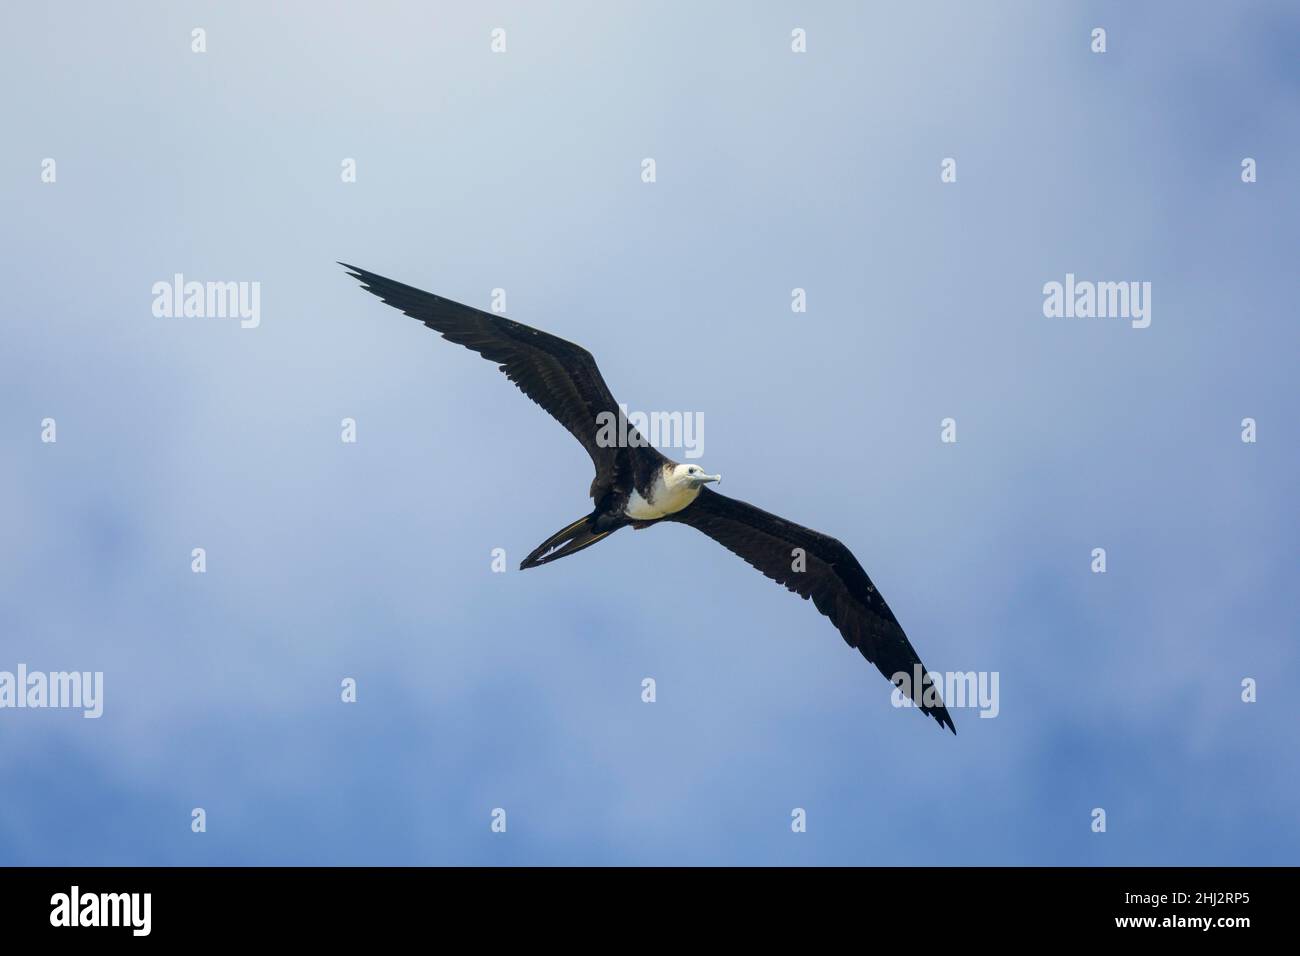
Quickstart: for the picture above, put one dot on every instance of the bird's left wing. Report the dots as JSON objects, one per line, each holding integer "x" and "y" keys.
{"x": 558, "y": 375}
{"x": 817, "y": 566}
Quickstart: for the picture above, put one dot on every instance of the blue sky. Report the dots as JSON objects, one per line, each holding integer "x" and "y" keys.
{"x": 775, "y": 170}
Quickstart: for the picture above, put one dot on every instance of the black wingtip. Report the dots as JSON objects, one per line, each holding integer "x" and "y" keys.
{"x": 942, "y": 717}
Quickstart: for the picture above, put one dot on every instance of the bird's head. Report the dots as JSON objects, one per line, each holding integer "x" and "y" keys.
{"x": 692, "y": 475}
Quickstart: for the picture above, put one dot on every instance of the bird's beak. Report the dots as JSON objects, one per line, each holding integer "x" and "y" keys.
{"x": 707, "y": 478}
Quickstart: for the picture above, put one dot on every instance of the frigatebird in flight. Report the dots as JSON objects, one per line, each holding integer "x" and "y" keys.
{"x": 636, "y": 485}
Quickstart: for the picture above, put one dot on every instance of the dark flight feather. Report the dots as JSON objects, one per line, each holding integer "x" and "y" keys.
{"x": 831, "y": 577}
{"x": 557, "y": 375}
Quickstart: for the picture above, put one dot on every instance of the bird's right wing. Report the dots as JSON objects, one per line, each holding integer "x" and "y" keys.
{"x": 817, "y": 566}
{"x": 558, "y": 375}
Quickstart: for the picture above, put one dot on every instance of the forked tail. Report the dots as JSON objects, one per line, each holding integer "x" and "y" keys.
{"x": 583, "y": 533}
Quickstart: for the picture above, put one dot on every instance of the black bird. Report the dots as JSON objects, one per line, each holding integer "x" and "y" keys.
{"x": 636, "y": 485}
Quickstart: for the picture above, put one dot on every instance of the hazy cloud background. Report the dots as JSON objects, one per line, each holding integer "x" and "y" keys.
{"x": 775, "y": 170}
